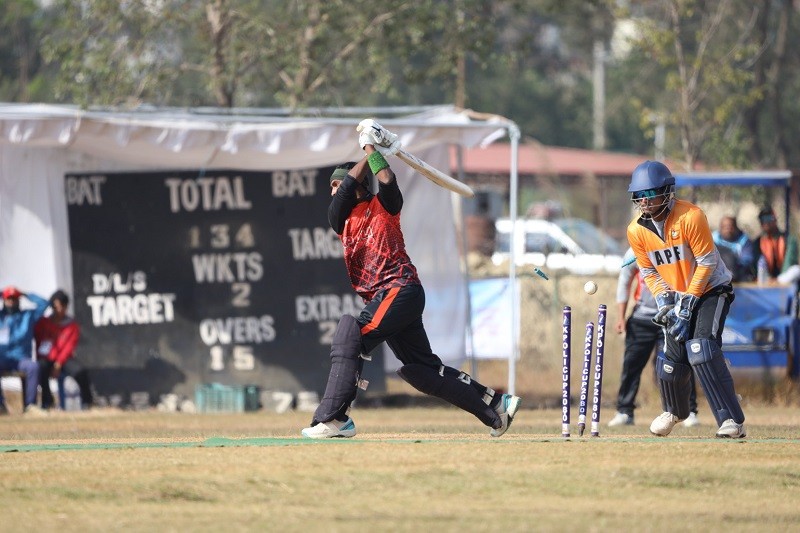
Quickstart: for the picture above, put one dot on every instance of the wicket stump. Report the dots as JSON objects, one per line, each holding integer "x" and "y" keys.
{"x": 586, "y": 374}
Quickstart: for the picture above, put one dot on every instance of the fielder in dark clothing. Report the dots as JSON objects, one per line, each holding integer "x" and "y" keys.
{"x": 383, "y": 275}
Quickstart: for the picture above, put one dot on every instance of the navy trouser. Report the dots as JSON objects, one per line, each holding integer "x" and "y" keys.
{"x": 708, "y": 321}
{"x": 395, "y": 315}
{"x": 72, "y": 369}
{"x": 30, "y": 368}
{"x": 641, "y": 338}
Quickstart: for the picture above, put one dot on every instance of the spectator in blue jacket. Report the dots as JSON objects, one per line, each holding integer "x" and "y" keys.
{"x": 735, "y": 248}
{"x": 16, "y": 336}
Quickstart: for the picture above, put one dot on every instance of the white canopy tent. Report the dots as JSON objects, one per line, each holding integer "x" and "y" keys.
{"x": 40, "y": 143}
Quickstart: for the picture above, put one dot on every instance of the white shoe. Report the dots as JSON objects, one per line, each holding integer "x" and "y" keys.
{"x": 663, "y": 424}
{"x": 691, "y": 421}
{"x": 731, "y": 430}
{"x": 332, "y": 429}
{"x": 34, "y": 411}
{"x": 621, "y": 419}
{"x": 507, "y": 408}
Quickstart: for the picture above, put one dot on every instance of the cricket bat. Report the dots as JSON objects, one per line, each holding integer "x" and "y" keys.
{"x": 385, "y": 138}
{"x": 435, "y": 175}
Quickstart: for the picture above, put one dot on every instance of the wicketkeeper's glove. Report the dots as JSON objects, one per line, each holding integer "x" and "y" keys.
{"x": 680, "y": 318}
{"x": 665, "y": 302}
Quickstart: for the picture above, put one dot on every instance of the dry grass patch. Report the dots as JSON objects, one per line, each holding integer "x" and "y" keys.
{"x": 407, "y": 470}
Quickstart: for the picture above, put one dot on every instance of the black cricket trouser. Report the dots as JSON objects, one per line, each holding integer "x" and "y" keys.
{"x": 641, "y": 338}
{"x": 72, "y": 369}
{"x": 394, "y": 315}
{"x": 708, "y": 321}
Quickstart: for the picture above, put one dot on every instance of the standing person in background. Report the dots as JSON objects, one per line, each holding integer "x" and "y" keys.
{"x": 642, "y": 337}
{"x": 56, "y": 336}
{"x": 692, "y": 287}
{"x": 383, "y": 275}
{"x": 16, "y": 338}
{"x": 779, "y": 249}
{"x": 735, "y": 248}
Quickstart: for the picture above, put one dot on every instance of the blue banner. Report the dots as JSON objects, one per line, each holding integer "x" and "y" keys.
{"x": 760, "y": 326}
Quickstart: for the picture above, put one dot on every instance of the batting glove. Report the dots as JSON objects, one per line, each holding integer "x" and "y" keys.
{"x": 680, "y": 318}
{"x": 373, "y": 133}
{"x": 391, "y": 149}
{"x": 365, "y": 138}
{"x": 665, "y": 302}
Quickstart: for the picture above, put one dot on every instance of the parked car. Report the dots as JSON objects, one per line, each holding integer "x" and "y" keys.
{"x": 570, "y": 244}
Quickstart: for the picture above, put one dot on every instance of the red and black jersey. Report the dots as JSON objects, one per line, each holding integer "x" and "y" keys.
{"x": 374, "y": 248}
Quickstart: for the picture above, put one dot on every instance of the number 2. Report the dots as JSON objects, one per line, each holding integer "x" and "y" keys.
{"x": 327, "y": 329}
{"x": 241, "y": 294}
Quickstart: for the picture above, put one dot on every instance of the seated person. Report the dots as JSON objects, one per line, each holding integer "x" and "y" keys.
{"x": 735, "y": 248}
{"x": 16, "y": 335}
{"x": 777, "y": 248}
{"x": 56, "y": 336}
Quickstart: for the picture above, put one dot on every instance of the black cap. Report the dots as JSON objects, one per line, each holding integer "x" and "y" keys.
{"x": 341, "y": 171}
{"x": 61, "y": 296}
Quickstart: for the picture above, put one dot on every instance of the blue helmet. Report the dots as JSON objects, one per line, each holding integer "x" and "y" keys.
{"x": 650, "y": 175}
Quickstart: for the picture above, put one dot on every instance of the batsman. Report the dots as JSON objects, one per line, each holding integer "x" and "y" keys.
{"x": 692, "y": 287}
{"x": 382, "y": 273}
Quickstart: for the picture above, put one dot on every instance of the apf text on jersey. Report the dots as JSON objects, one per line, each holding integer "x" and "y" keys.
{"x": 666, "y": 256}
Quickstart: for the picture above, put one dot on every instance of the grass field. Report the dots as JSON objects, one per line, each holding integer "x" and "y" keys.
{"x": 407, "y": 470}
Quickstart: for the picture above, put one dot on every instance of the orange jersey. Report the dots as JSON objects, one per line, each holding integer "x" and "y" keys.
{"x": 685, "y": 260}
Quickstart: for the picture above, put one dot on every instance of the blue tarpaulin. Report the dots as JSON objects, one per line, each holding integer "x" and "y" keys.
{"x": 775, "y": 178}
{"x": 754, "y": 312}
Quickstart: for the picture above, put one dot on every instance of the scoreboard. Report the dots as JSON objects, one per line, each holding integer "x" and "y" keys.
{"x": 192, "y": 277}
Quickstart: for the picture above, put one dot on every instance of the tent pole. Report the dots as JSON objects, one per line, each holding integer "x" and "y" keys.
{"x": 513, "y": 133}
{"x": 470, "y": 341}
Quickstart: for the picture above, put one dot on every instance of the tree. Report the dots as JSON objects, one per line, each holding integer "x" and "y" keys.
{"x": 227, "y": 53}
{"x": 20, "y": 63}
{"x": 707, "y": 50}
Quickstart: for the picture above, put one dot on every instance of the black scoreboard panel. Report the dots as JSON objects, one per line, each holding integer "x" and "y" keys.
{"x": 195, "y": 277}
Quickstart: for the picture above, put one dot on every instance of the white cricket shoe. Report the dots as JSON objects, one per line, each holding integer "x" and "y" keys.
{"x": 332, "y": 429}
{"x": 621, "y": 419}
{"x": 691, "y": 421}
{"x": 731, "y": 430}
{"x": 507, "y": 408}
{"x": 663, "y": 424}
{"x": 34, "y": 411}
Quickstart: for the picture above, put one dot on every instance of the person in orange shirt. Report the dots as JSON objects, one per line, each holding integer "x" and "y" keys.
{"x": 682, "y": 268}
{"x": 642, "y": 337}
{"x": 779, "y": 249}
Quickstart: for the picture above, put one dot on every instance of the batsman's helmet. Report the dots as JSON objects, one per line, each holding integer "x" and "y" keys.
{"x": 650, "y": 175}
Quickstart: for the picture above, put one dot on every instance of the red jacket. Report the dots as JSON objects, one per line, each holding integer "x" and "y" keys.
{"x": 56, "y": 340}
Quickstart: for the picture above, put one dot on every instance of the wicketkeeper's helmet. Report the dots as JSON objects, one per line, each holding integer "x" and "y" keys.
{"x": 650, "y": 175}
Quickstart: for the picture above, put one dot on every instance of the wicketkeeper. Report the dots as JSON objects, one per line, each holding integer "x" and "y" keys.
{"x": 383, "y": 275}
{"x": 693, "y": 291}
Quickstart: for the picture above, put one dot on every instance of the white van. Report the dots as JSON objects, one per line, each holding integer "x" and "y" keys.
{"x": 570, "y": 244}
